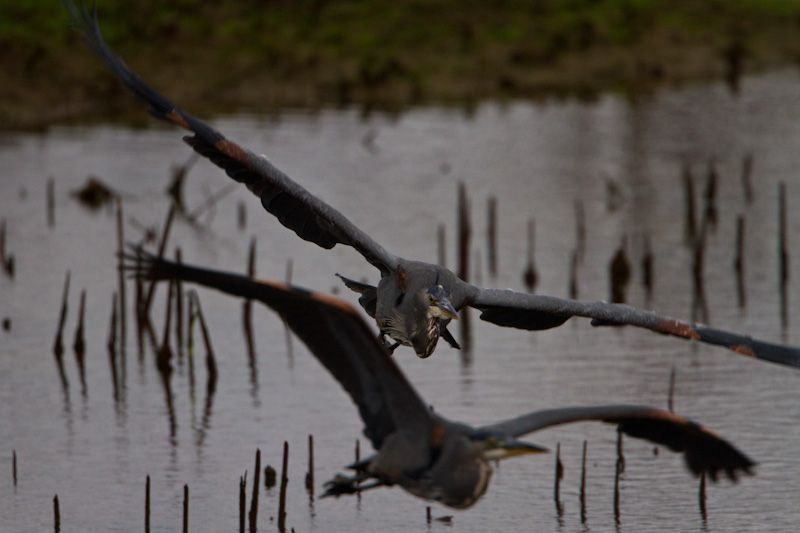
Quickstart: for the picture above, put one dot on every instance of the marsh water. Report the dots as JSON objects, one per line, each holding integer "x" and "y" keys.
{"x": 615, "y": 164}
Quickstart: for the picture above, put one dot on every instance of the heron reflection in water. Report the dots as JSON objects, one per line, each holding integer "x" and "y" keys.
{"x": 413, "y": 301}
{"x": 421, "y": 451}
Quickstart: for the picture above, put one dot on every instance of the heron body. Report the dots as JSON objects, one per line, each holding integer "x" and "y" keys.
{"x": 414, "y": 304}
{"x": 459, "y": 474}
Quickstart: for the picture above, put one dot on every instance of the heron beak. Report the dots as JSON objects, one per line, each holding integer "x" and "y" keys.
{"x": 445, "y": 309}
{"x": 511, "y": 448}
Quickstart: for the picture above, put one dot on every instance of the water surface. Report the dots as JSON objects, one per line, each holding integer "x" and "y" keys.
{"x": 396, "y": 177}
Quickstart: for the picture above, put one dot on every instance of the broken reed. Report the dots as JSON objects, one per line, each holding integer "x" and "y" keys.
{"x": 491, "y": 235}
{"x": 618, "y": 470}
{"x": 530, "y": 277}
{"x": 179, "y": 322}
{"x": 582, "y": 495}
{"x": 247, "y": 318}
{"x": 6, "y": 261}
{"x": 310, "y": 473}
{"x": 284, "y": 483}
{"x": 147, "y": 506}
{"x": 464, "y": 229}
{"x": 186, "y": 509}
{"x": 79, "y": 344}
{"x": 242, "y": 501}
{"x": 58, "y": 345}
{"x": 783, "y": 255}
{"x": 51, "y": 203}
{"x": 57, "y": 513}
{"x": 559, "y": 475}
{"x": 253, "y": 515}
{"x": 111, "y": 345}
{"x": 123, "y": 331}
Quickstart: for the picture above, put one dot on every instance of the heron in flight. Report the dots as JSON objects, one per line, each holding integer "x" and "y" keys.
{"x": 413, "y": 301}
{"x": 421, "y": 451}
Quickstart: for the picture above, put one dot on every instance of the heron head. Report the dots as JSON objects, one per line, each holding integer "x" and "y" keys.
{"x": 439, "y": 306}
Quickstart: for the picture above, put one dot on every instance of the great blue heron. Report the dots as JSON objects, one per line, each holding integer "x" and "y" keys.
{"x": 423, "y": 452}
{"x": 414, "y": 301}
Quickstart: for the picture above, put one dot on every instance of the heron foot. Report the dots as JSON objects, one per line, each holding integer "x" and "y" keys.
{"x": 342, "y": 484}
{"x": 389, "y": 347}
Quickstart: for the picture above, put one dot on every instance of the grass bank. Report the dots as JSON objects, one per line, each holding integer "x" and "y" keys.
{"x": 221, "y": 56}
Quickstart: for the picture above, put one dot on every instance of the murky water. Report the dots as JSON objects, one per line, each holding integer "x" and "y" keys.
{"x": 397, "y": 177}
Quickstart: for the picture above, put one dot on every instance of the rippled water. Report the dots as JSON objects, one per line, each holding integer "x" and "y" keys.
{"x": 397, "y": 177}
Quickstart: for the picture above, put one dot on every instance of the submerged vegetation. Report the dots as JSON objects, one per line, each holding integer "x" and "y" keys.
{"x": 309, "y": 53}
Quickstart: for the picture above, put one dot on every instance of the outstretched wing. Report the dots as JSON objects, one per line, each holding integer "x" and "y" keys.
{"x": 297, "y": 209}
{"x": 335, "y": 334}
{"x": 704, "y": 451}
{"x": 534, "y": 312}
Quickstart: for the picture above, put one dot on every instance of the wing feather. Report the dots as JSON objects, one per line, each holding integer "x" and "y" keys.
{"x": 704, "y": 451}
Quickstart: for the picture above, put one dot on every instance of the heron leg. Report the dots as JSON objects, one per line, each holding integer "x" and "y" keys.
{"x": 446, "y": 335}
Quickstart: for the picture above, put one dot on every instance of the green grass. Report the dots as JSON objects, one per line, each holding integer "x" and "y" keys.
{"x": 326, "y": 52}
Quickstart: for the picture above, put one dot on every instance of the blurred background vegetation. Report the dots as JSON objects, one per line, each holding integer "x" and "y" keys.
{"x": 246, "y": 54}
